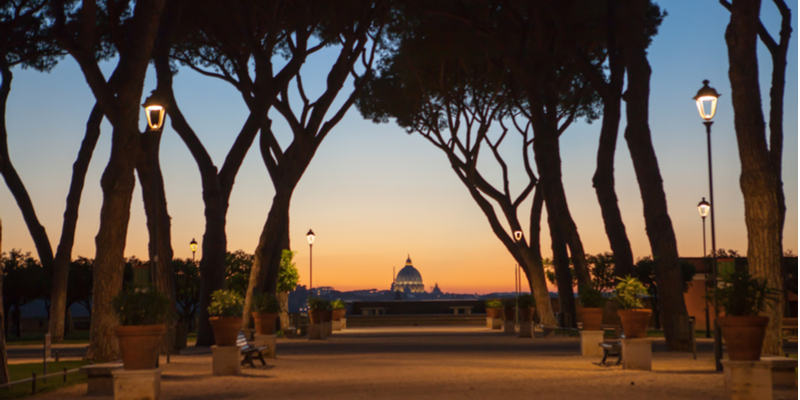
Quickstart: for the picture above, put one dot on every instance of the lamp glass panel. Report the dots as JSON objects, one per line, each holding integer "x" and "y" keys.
{"x": 704, "y": 209}
{"x": 707, "y": 106}
{"x": 155, "y": 117}
{"x": 310, "y": 239}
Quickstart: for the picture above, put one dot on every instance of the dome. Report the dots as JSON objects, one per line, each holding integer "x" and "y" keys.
{"x": 410, "y": 278}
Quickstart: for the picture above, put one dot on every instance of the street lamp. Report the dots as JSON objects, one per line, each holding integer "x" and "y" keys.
{"x": 706, "y": 100}
{"x": 703, "y": 207}
{"x": 155, "y": 112}
{"x": 310, "y": 237}
{"x": 193, "y": 246}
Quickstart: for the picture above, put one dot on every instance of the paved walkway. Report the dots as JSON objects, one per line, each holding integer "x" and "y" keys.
{"x": 437, "y": 363}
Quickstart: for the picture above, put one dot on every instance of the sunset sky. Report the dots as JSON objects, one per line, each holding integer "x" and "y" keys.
{"x": 374, "y": 194}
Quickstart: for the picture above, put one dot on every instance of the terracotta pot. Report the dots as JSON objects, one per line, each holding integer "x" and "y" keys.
{"x": 592, "y": 318}
{"x": 494, "y": 313}
{"x": 327, "y": 316}
{"x": 226, "y": 330}
{"x": 525, "y": 314}
{"x": 339, "y": 314}
{"x": 634, "y": 322}
{"x": 139, "y": 344}
{"x": 508, "y": 313}
{"x": 265, "y": 323}
{"x": 743, "y": 336}
{"x": 315, "y": 316}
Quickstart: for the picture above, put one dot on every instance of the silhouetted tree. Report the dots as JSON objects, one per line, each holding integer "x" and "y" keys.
{"x": 91, "y": 31}
{"x": 760, "y": 180}
{"x": 187, "y": 290}
{"x": 22, "y": 279}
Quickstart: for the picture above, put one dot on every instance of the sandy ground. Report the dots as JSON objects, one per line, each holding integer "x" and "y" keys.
{"x": 437, "y": 363}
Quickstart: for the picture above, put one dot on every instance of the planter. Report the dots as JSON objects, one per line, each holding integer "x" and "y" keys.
{"x": 494, "y": 313}
{"x": 634, "y": 322}
{"x": 592, "y": 318}
{"x": 315, "y": 316}
{"x": 508, "y": 313}
{"x": 339, "y": 314}
{"x": 327, "y": 316}
{"x": 265, "y": 323}
{"x": 526, "y": 314}
{"x": 139, "y": 345}
{"x": 226, "y": 330}
{"x": 743, "y": 336}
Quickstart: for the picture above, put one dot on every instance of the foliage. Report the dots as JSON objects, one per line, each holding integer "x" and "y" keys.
{"x": 591, "y": 297}
{"x": 601, "y": 268}
{"x": 317, "y": 304}
{"x": 628, "y": 293}
{"x": 187, "y": 288}
{"x": 26, "y": 38}
{"x": 742, "y": 294}
{"x": 494, "y": 303}
{"x": 266, "y": 303}
{"x": 143, "y": 305}
{"x": 237, "y": 271}
{"x": 23, "y": 278}
{"x": 226, "y": 303}
{"x": 287, "y": 274}
{"x": 338, "y": 305}
{"x": 526, "y": 301}
{"x": 80, "y": 283}
{"x": 509, "y": 303}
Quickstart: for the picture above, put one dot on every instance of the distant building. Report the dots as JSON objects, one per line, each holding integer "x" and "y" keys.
{"x": 408, "y": 280}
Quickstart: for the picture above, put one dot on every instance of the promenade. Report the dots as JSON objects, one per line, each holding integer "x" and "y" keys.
{"x": 437, "y": 363}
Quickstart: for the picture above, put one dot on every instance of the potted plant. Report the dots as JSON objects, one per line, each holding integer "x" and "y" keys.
{"x": 142, "y": 312}
{"x": 632, "y": 314}
{"x": 226, "y": 316}
{"x": 743, "y": 297}
{"x": 317, "y": 309}
{"x": 591, "y": 310}
{"x": 527, "y": 304}
{"x": 266, "y": 308}
{"x": 493, "y": 307}
{"x": 509, "y": 309}
{"x": 338, "y": 310}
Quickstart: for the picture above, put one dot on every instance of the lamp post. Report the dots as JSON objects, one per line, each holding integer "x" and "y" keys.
{"x": 517, "y": 279}
{"x": 706, "y": 100}
{"x": 193, "y": 246}
{"x": 155, "y": 113}
{"x": 703, "y": 207}
{"x": 310, "y": 237}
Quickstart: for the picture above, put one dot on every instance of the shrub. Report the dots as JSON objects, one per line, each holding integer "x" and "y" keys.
{"x": 337, "y": 305}
{"x": 526, "y": 301}
{"x": 509, "y": 303}
{"x": 629, "y": 289}
{"x": 317, "y": 304}
{"x": 591, "y": 298}
{"x": 226, "y": 303}
{"x": 741, "y": 294}
{"x": 142, "y": 305}
{"x": 266, "y": 303}
{"x": 494, "y": 303}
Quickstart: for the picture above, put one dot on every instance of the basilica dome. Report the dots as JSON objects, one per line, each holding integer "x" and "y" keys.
{"x": 408, "y": 278}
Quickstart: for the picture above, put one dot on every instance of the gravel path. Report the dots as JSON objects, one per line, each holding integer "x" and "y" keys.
{"x": 437, "y": 363}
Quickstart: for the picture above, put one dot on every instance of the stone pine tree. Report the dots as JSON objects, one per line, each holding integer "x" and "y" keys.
{"x": 3, "y": 354}
{"x": 448, "y": 89}
{"x": 760, "y": 179}
{"x": 354, "y": 29}
{"x": 635, "y": 30}
{"x": 202, "y": 39}
{"x": 90, "y": 31}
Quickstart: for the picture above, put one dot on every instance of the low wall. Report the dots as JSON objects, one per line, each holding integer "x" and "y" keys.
{"x": 359, "y": 321}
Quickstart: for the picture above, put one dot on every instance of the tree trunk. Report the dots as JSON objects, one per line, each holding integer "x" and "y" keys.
{"x": 274, "y": 239}
{"x": 534, "y": 269}
{"x": 758, "y": 180}
{"x": 153, "y": 187}
{"x": 58, "y": 295}
{"x": 3, "y": 354}
{"x": 284, "y": 300}
{"x": 657, "y": 220}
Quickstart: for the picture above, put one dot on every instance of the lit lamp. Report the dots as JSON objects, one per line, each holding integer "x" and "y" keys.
{"x": 310, "y": 237}
{"x": 706, "y": 100}
{"x": 704, "y": 208}
{"x": 193, "y": 246}
{"x": 154, "y": 110}
{"x": 517, "y": 235}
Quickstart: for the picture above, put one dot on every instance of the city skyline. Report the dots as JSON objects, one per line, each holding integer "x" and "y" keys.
{"x": 374, "y": 193}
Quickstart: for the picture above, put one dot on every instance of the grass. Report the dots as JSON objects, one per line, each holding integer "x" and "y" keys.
{"x": 23, "y": 371}
{"x": 77, "y": 337}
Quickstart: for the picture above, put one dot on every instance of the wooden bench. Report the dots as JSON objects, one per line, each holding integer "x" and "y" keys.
{"x": 249, "y": 351}
{"x": 613, "y": 350}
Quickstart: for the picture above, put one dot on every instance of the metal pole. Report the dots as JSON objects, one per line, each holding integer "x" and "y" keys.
{"x": 311, "y": 266}
{"x": 705, "y": 283}
{"x": 516, "y": 296}
{"x": 717, "y": 332}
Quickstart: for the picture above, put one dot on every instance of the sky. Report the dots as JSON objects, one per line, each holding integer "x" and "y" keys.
{"x": 374, "y": 194}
